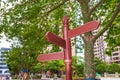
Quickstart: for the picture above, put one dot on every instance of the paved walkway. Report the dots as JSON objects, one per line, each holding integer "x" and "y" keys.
{"x": 110, "y": 78}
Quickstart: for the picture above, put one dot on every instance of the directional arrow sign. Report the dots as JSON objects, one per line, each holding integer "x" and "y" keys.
{"x": 51, "y": 56}
{"x": 83, "y": 29}
{"x": 55, "y": 39}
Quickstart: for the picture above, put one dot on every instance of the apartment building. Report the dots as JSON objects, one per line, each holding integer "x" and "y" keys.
{"x": 99, "y": 48}
{"x": 3, "y": 66}
{"x": 115, "y": 58}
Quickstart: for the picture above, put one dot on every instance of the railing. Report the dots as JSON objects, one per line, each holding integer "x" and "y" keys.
{"x": 111, "y": 74}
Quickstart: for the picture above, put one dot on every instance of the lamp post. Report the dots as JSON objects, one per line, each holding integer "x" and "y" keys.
{"x": 21, "y": 71}
{"x": 21, "y": 60}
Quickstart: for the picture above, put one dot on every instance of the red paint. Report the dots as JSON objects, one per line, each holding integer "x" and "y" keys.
{"x": 55, "y": 39}
{"x": 92, "y": 25}
{"x": 65, "y": 43}
{"x": 67, "y": 51}
{"x": 51, "y": 56}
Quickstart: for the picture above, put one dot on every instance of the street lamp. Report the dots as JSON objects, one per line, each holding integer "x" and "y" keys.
{"x": 22, "y": 60}
{"x": 21, "y": 71}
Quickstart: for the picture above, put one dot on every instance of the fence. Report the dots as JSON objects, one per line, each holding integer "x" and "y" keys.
{"x": 111, "y": 74}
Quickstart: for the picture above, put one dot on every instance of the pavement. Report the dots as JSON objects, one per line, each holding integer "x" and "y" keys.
{"x": 102, "y": 78}
{"x": 109, "y": 78}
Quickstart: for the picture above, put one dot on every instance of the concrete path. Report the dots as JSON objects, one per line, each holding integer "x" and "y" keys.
{"x": 110, "y": 78}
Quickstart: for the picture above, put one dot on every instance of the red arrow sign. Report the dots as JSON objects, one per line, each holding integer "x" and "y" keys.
{"x": 51, "y": 56}
{"x": 55, "y": 39}
{"x": 83, "y": 29}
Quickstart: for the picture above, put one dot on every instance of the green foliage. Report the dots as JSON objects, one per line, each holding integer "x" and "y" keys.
{"x": 112, "y": 37}
{"x": 101, "y": 68}
{"x": 51, "y": 65}
{"x": 110, "y": 68}
{"x": 113, "y": 68}
{"x": 17, "y": 61}
{"x": 97, "y": 61}
{"x": 109, "y": 50}
{"x": 27, "y": 22}
{"x": 54, "y": 65}
{"x": 14, "y": 61}
{"x": 77, "y": 66}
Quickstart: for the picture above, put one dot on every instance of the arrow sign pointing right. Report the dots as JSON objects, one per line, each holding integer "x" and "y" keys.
{"x": 83, "y": 29}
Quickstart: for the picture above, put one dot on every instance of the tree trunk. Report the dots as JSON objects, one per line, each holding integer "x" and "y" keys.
{"x": 25, "y": 76}
{"x": 89, "y": 71}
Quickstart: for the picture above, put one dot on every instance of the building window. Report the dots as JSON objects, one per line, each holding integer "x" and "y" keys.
{"x": 114, "y": 54}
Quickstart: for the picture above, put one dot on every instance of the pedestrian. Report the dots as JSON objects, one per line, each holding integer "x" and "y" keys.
{"x": 48, "y": 74}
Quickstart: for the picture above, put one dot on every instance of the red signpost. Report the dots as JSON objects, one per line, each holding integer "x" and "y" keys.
{"x": 55, "y": 40}
{"x": 66, "y": 44}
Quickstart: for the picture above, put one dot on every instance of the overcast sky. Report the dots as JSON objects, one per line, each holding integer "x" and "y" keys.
{"x": 4, "y": 43}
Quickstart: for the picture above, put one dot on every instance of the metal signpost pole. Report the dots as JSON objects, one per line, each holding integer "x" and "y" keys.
{"x": 67, "y": 50}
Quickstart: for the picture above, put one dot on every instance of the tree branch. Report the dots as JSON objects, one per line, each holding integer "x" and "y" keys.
{"x": 94, "y": 8}
{"x": 117, "y": 10}
{"x": 85, "y": 9}
{"x": 55, "y": 7}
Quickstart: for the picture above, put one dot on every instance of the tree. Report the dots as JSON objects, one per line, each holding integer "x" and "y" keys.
{"x": 29, "y": 20}
{"x": 14, "y": 61}
{"x": 18, "y": 61}
{"x": 89, "y": 38}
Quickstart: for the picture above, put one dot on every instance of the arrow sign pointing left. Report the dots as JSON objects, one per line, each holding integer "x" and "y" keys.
{"x": 55, "y": 39}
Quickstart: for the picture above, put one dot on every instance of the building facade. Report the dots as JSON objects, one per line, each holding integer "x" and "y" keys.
{"x": 4, "y": 70}
{"x": 99, "y": 48}
{"x": 115, "y": 58}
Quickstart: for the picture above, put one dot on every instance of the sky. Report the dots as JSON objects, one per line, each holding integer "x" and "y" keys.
{"x": 4, "y": 43}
